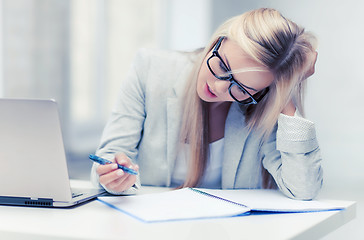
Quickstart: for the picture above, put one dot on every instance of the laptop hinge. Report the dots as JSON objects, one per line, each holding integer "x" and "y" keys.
{"x": 23, "y": 201}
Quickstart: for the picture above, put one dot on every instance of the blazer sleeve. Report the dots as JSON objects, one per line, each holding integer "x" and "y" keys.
{"x": 124, "y": 128}
{"x": 292, "y": 156}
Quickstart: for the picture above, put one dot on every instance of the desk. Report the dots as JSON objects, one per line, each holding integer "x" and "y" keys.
{"x": 95, "y": 220}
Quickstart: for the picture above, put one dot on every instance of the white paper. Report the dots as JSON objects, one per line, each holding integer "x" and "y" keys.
{"x": 190, "y": 204}
{"x": 272, "y": 200}
{"x": 174, "y": 205}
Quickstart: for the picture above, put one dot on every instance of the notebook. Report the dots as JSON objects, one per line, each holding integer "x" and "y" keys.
{"x": 197, "y": 203}
{"x": 33, "y": 168}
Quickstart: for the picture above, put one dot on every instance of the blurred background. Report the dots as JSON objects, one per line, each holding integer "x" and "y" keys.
{"x": 78, "y": 51}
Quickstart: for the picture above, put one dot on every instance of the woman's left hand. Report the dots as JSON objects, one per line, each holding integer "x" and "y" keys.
{"x": 311, "y": 65}
{"x": 290, "y": 108}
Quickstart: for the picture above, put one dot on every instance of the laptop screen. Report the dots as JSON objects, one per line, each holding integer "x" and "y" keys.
{"x": 32, "y": 156}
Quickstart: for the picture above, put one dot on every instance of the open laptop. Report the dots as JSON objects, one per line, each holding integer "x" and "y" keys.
{"x": 33, "y": 166}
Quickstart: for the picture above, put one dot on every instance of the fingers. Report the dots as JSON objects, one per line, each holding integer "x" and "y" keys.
{"x": 109, "y": 177}
{"x": 311, "y": 64}
{"x": 122, "y": 159}
{"x": 114, "y": 178}
{"x": 103, "y": 169}
{"x": 315, "y": 54}
{"x": 122, "y": 184}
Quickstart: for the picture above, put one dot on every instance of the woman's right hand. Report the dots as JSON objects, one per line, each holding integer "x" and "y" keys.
{"x": 115, "y": 179}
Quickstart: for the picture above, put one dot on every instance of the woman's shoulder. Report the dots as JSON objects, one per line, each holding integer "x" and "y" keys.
{"x": 160, "y": 71}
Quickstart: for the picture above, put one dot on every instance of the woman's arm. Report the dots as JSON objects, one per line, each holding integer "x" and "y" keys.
{"x": 124, "y": 129}
{"x": 292, "y": 156}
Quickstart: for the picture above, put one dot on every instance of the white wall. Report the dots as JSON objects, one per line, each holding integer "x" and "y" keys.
{"x": 186, "y": 24}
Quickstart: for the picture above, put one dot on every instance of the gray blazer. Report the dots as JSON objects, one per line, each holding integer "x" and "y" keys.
{"x": 146, "y": 120}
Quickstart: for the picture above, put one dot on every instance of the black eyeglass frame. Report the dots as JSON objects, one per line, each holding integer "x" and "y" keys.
{"x": 231, "y": 79}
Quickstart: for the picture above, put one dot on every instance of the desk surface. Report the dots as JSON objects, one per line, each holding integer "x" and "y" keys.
{"x": 94, "y": 220}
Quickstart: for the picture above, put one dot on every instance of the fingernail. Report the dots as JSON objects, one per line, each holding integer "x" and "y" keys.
{"x": 120, "y": 172}
{"x": 114, "y": 166}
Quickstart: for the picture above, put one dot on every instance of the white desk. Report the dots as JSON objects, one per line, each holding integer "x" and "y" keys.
{"x": 95, "y": 220}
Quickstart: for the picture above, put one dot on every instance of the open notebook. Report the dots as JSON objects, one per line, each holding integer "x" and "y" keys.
{"x": 197, "y": 203}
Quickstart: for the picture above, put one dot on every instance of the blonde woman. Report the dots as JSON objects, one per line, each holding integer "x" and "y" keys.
{"x": 228, "y": 116}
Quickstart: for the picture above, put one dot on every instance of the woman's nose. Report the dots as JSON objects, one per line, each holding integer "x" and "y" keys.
{"x": 221, "y": 86}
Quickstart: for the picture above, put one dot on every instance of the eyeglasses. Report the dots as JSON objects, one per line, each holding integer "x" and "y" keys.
{"x": 222, "y": 72}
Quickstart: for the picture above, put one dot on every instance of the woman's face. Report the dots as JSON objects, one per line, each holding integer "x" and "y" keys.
{"x": 211, "y": 89}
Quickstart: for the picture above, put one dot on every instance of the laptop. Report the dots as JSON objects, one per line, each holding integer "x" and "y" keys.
{"x": 33, "y": 165}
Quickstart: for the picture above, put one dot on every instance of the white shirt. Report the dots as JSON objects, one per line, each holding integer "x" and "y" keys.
{"x": 212, "y": 175}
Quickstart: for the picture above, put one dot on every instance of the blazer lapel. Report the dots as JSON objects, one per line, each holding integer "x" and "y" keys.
{"x": 236, "y": 133}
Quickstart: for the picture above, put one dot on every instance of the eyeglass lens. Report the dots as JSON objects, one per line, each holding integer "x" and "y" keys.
{"x": 220, "y": 71}
{"x": 218, "y": 68}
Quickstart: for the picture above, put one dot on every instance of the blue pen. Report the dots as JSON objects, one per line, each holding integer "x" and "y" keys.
{"x": 103, "y": 161}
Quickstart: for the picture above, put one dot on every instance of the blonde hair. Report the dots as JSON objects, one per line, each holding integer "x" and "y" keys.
{"x": 271, "y": 40}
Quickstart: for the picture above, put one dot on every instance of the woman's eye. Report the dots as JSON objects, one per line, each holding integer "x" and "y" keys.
{"x": 222, "y": 67}
{"x": 223, "y": 71}
{"x": 241, "y": 90}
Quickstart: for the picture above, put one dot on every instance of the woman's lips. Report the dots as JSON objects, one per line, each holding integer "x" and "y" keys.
{"x": 208, "y": 92}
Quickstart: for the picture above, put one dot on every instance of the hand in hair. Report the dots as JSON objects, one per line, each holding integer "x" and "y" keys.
{"x": 311, "y": 65}
{"x": 290, "y": 108}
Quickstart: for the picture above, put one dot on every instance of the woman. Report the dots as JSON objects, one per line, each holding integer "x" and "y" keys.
{"x": 228, "y": 116}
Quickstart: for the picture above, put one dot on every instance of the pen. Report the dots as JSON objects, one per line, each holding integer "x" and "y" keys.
{"x": 103, "y": 161}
